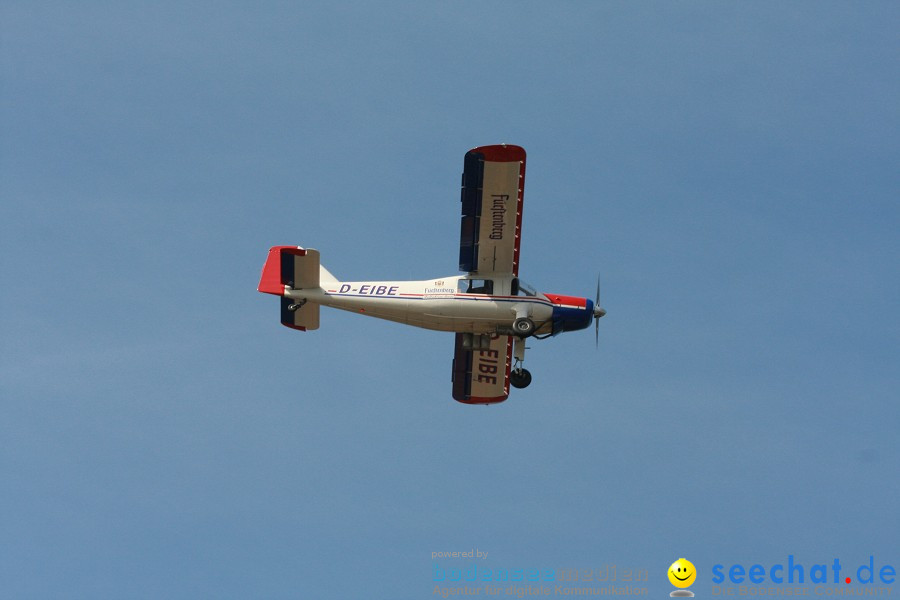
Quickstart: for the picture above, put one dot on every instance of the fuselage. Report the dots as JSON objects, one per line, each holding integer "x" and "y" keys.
{"x": 462, "y": 304}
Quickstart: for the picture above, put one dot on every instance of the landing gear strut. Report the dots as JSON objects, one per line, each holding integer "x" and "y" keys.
{"x": 519, "y": 377}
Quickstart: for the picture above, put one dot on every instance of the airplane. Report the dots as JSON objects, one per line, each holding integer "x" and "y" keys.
{"x": 491, "y": 311}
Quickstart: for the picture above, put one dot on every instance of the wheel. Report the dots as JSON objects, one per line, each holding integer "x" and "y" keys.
{"x": 523, "y": 327}
{"x": 520, "y": 378}
{"x": 294, "y": 306}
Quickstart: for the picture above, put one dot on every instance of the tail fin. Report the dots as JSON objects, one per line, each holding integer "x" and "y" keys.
{"x": 326, "y": 277}
{"x": 293, "y": 268}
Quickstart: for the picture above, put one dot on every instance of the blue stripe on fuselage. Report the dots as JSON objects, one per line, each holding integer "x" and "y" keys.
{"x": 572, "y": 319}
{"x": 470, "y": 297}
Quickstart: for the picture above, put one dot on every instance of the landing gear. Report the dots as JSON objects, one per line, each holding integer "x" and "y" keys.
{"x": 520, "y": 378}
{"x": 296, "y": 305}
{"x": 523, "y": 327}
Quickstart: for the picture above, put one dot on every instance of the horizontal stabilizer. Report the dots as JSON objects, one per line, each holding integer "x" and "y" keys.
{"x": 304, "y": 318}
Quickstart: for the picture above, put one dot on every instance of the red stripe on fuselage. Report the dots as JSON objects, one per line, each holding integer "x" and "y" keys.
{"x": 561, "y": 300}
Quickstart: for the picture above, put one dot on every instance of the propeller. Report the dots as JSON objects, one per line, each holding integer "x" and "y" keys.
{"x": 598, "y": 312}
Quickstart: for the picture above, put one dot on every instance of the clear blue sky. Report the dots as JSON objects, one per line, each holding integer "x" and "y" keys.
{"x": 730, "y": 170}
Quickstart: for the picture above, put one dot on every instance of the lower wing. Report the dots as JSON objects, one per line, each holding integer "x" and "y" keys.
{"x": 481, "y": 375}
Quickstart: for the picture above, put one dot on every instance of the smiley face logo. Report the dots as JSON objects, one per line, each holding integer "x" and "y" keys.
{"x": 682, "y": 573}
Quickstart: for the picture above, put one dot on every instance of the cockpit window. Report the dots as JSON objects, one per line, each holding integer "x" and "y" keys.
{"x": 524, "y": 289}
{"x": 476, "y": 286}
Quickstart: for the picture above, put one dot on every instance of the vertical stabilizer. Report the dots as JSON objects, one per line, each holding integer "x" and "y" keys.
{"x": 293, "y": 268}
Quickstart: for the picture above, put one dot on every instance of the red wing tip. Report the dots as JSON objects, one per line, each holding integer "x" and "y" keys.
{"x": 501, "y": 152}
{"x": 478, "y": 400}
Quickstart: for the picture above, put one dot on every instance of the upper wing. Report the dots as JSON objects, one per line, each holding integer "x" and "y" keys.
{"x": 493, "y": 181}
{"x": 482, "y": 376}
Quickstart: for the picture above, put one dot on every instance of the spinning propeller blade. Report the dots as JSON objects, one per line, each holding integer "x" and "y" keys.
{"x": 598, "y": 312}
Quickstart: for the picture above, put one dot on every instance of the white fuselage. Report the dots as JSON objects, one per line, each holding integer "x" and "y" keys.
{"x": 441, "y": 304}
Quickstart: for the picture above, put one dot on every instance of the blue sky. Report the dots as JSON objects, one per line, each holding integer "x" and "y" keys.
{"x": 729, "y": 169}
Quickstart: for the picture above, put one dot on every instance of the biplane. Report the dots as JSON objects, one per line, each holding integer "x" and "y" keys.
{"x": 491, "y": 311}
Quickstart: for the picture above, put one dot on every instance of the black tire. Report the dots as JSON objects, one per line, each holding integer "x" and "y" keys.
{"x": 294, "y": 306}
{"x": 523, "y": 327}
{"x": 520, "y": 378}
